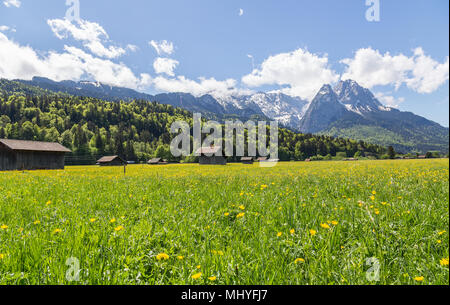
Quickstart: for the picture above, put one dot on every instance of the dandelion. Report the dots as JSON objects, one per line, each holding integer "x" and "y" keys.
{"x": 220, "y": 253}
{"x": 312, "y": 232}
{"x": 198, "y": 267}
{"x": 2, "y": 256}
{"x": 419, "y": 278}
{"x": 279, "y": 234}
{"x": 36, "y": 222}
{"x": 180, "y": 257}
{"x": 242, "y": 207}
{"x": 92, "y": 220}
{"x": 442, "y": 232}
{"x": 444, "y": 262}
{"x": 49, "y": 202}
{"x": 299, "y": 260}
{"x": 240, "y": 215}
{"x": 372, "y": 197}
{"x": 377, "y": 212}
{"x": 162, "y": 257}
{"x": 439, "y": 241}
{"x": 374, "y": 192}
{"x": 197, "y": 276}
{"x": 325, "y": 225}
{"x": 56, "y": 231}
{"x": 112, "y": 220}
{"x": 226, "y": 214}
{"x": 4, "y": 227}
{"x": 119, "y": 228}
{"x": 334, "y": 223}
{"x": 292, "y": 231}
{"x": 212, "y": 278}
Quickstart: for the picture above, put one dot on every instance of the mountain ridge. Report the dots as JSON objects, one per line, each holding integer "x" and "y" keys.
{"x": 347, "y": 109}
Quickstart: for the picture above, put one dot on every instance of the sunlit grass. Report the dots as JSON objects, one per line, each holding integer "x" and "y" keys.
{"x": 297, "y": 223}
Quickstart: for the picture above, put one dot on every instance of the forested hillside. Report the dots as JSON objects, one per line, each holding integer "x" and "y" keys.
{"x": 136, "y": 130}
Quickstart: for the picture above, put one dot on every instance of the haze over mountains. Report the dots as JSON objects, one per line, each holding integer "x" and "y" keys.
{"x": 347, "y": 110}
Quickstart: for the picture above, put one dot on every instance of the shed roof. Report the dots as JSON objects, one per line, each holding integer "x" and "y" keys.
{"x": 208, "y": 150}
{"x": 247, "y": 159}
{"x": 23, "y": 145}
{"x": 108, "y": 159}
{"x": 154, "y": 161}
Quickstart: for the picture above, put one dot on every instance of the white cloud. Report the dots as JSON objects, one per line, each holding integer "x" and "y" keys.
{"x": 218, "y": 89}
{"x": 4, "y": 28}
{"x": 165, "y": 65}
{"x": 418, "y": 72}
{"x": 303, "y": 72}
{"x": 389, "y": 100}
{"x": 22, "y": 62}
{"x": 91, "y": 34}
{"x": 241, "y": 12}
{"x": 132, "y": 47}
{"x": 162, "y": 47}
{"x": 10, "y": 3}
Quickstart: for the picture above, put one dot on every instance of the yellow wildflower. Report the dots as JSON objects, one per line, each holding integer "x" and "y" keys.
{"x": 299, "y": 260}
{"x": 419, "y": 278}
{"x": 444, "y": 262}
{"x": 325, "y": 225}
{"x": 49, "y": 202}
{"x": 279, "y": 234}
{"x": 242, "y": 207}
{"x": 92, "y": 220}
{"x": 442, "y": 232}
{"x": 313, "y": 232}
{"x": 292, "y": 231}
{"x": 2, "y": 256}
{"x": 56, "y": 231}
{"x": 240, "y": 215}
{"x": 36, "y": 222}
{"x": 162, "y": 256}
{"x": 112, "y": 220}
{"x": 198, "y": 267}
{"x": 180, "y": 257}
{"x": 4, "y": 227}
{"x": 212, "y": 278}
{"x": 197, "y": 276}
{"x": 119, "y": 228}
{"x": 226, "y": 214}
{"x": 334, "y": 223}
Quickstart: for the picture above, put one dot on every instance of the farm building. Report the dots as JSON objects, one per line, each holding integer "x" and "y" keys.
{"x": 31, "y": 155}
{"x": 111, "y": 161}
{"x": 262, "y": 159}
{"x": 157, "y": 161}
{"x": 207, "y": 156}
{"x": 247, "y": 160}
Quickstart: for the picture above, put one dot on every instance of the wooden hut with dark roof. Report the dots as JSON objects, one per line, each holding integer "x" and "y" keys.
{"x": 157, "y": 161}
{"x": 208, "y": 156}
{"x": 247, "y": 160}
{"x": 111, "y": 161}
{"x": 31, "y": 155}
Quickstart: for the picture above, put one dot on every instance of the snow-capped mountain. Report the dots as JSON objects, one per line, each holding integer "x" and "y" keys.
{"x": 347, "y": 110}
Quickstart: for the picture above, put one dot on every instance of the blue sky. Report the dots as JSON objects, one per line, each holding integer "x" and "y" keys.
{"x": 236, "y": 46}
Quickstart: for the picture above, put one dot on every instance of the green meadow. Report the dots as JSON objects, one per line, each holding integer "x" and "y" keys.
{"x": 337, "y": 223}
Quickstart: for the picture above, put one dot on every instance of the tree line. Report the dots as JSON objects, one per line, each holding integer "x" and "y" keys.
{"x": 136, "y": 130}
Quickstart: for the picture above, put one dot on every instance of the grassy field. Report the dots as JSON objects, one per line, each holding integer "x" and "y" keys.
{"x": 297, "y": 223}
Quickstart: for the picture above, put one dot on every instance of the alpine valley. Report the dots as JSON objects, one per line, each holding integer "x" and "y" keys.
{"x": 346, "y": 110}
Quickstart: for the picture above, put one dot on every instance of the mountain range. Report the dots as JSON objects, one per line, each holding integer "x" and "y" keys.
{"x": 346, "y": 110}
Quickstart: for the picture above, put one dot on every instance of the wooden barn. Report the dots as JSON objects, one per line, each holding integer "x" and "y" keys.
{"x": 31, "y": 155}
{"x": 247, "y": 160}
{"x": 111, "y": 161}
{"x": 262, "y": 159}
{"x": 157, "y": 161}
{"x": 207, "y": 156}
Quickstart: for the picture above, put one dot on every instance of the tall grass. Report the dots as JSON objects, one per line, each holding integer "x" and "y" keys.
{"x": 297, "y": 223}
